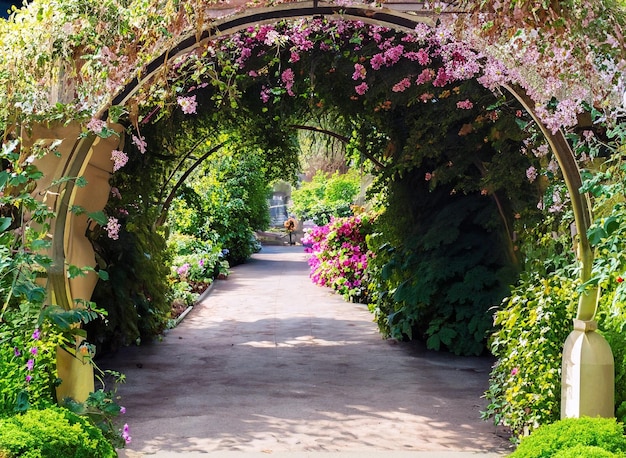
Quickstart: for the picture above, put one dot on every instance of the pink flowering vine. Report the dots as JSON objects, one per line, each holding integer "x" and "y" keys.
{"x": 140, "y": 143}
{"x": 188, "y": 104}
{"x": 119, "y": 159}
{"x": 361, "y": 88}
{"x": 288, "y": 78}
{"x": 113, "y": 228}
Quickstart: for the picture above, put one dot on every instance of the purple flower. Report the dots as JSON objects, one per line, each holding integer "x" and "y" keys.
{"x": 16, "y": 351}
{"x": 30, "y": 364}
{"x": 36, "y": 334}
{"x": 28, "y": 378}
{"x": 33, "y": 351}
{"x": 122, "y": 410}
{"x": 126, "y": 434}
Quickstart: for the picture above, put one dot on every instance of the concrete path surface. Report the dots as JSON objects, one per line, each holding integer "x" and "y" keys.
{"x": 269, "y": 364}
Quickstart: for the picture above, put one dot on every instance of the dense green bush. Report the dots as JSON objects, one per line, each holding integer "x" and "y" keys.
{"x": 136, "y": 295}
{"x": 439, "y": 268}
{"x": 28, "y": 376}
{"x": 525, "y": 385}
{"x": 569, "y": 436}
{"x": 229, "y": 198}
{"x": 52, "y": 433}
{"x": 326, "y": 196}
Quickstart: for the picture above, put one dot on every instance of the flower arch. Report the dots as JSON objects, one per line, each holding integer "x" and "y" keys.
{"x": 146, "y": 61}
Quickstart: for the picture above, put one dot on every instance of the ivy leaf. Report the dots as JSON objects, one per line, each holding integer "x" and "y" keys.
{"x": 596, "y": 234}
{"x": 5, "y": 223}
{"x": 22, "y": 404}
{"x": 98, "y": 217}
{"x": 611, "y": 224}
{"x": 103, "y": 275}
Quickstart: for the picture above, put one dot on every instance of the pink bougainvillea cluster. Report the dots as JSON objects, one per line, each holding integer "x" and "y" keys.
{"x": 339, "y": 255}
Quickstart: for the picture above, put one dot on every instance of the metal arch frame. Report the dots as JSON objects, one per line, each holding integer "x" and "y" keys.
{"x": 380, "y": 16}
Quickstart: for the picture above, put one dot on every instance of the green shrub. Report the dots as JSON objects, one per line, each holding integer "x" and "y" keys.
{"x": 326, "y": 196}
{"x": 440, "y": 267}
{"x": 52, "y": 433}
{"x": 525, "y": 385}
{"x": 564, "y": 437}
{"x": 586, "y": 451}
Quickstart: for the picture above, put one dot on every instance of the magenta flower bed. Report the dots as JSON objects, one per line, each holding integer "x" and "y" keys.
{"x": 339, "y": 255}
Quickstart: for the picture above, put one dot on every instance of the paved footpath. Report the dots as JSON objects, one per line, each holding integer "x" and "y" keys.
{"x": 270, "y": 365}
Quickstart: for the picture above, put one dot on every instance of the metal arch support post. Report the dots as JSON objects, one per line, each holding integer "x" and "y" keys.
{"x": 588, "y": 368}
{"x": 580, "y": 203}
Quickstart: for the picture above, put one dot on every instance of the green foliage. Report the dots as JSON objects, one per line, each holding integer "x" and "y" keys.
{"x": 525, "y": 386}
{"x": 439, "y": 269}
{"x": 51, "y": 433}
{"x": 135, "y": 297}
{"x": 195, "y": 264}
{"x": 229, "y": 199}
{"x": 101, "y": 408}
{"x": 23, "y": 386}
{"x": 326, "y": 196}
{"x": 586, "y": 436}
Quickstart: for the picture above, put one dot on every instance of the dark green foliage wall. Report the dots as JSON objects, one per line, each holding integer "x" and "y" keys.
{"x": 135, "y": 296}
{"x": 441, "y": 265}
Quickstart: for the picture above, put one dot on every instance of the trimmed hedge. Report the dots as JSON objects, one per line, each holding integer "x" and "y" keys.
{"x": 575, "y": 437}
{"x": 52, "y": 433}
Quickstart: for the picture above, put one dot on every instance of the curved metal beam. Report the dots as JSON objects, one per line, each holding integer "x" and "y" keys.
{"x": 231, "y": 24}
{"x": 581, "y": 205}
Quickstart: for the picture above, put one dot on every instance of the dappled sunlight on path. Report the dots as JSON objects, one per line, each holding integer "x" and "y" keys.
{"x": 268, "y": 362}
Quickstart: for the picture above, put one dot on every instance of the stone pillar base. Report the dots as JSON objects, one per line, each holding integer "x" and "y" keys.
{"x": 588, "y": 374}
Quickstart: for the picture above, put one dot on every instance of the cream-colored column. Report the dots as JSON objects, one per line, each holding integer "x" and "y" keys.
{"x": 588, "y": 379}
{"x": 74, "y": 370}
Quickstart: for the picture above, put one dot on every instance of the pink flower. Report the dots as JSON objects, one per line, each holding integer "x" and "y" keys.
{"x": 126, "y": 434}
{"x": 428, "y": 176}
{"x": 360, "y": 72}
{"x": 122, "y": 410}
{"x": 140, "y": 142}
{"x": 28, "y": 378}
{"x": 96, "y": 125}
{"x": 465, "y": 104}
{"x": 361, "y": 88}
{"x": 119, "y": 159}
{"x": 116, "y": 193}
{"x": 288, "y": 78}
{"x": 427, "y": 75}
{"x": 113, "y": 228}
{"x": 402, "y": 85}
{"x": 188, "y": 104}
{"x": 514, "y": 371}
{"x": 531, "y": 173}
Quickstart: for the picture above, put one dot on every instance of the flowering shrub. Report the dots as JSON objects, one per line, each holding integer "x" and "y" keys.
{"x": 339, "y": 255}
{"x": 196, "y": 262}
